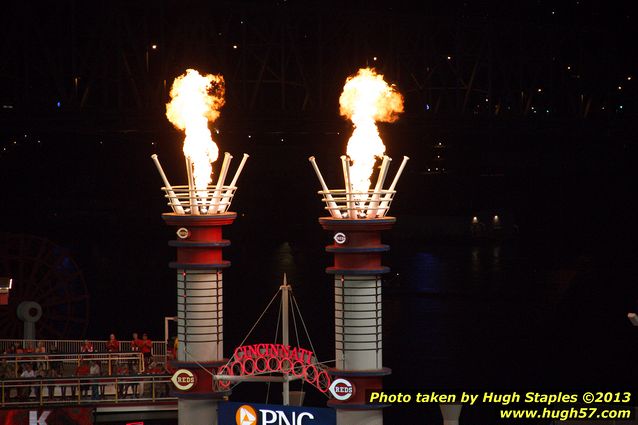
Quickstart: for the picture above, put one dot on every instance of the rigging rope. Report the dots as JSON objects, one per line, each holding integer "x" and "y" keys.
{"x": 304, "y": 324}
{"x": 294, "y": 321}
{"x": 276, "y": 335}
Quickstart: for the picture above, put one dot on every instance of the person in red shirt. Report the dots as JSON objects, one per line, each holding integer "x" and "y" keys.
{"x": 112, "y": 345}
{"x": 136, "y": 343}
{"x": 81, "y": 370}
{"x": 87, "y": 347}
{"x": 146, "y": 348}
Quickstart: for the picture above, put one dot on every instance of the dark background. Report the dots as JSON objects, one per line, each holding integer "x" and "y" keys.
{"x": 83, "y": 91}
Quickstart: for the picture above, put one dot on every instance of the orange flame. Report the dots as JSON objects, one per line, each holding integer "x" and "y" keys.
{"x": 195, "y": 100}
{"x": 366, "y": 99}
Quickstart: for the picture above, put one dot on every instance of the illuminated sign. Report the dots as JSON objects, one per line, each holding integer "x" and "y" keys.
{"x": 341, "y": 389}
{"x": 183, "y": 379}
{"x": 246, "y": 415}
{"x": 293, "y": 354}
{"x": 34, "y": 419}
{"x": 6, "y": 283}
{"x": 53, "y": 416}
{"x": 264, "y": 358}
{"x": 340, "y": 238}
{"x": 183, "y": 233}
{"x": 268, "y": 414}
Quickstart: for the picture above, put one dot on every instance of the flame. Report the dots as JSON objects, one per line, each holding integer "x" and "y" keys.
{"x": 366, "y": 99}
{"x": 195, "y": 100}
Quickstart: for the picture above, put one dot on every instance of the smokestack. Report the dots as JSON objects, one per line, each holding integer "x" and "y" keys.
{"x": 357, "y": 273}
{"x": 200, "y": 313}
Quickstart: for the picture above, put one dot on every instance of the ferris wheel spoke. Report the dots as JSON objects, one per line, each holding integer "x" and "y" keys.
{"x": 21, "y": 270}
{"x": 61, "y": 278}
{"x": 52, "y": 290}
{"x": 65, "y": 301}
{"x": 40, "y": 286}
{"x": 43, "y": 251}
{"x": 4, "y": 322}
{"x": 67, "y": 318}
{"x": 45, "y": 273}
{"x": 5, "y": 265}
{"x": 51, "y": 271}
{"x": 41, "y": 264}
{"x": 52, "y": 331}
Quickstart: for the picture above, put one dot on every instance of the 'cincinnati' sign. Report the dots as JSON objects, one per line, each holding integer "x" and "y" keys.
{"x": 276, "y": 358}
{"x": 281, "y": 351}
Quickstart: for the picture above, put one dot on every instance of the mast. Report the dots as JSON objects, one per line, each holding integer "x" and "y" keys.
{"x": 285, "y": 288}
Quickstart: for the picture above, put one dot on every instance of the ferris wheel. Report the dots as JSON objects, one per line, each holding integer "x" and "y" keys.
{"x": 48, "y": 282}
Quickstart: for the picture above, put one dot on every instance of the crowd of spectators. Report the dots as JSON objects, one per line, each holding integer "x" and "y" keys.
{"x": 43, "y": 368}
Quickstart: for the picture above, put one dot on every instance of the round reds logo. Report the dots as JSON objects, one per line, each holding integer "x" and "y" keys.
{"x": 183, "y": 379}
{"x": 340, "y": 238}
{"x": 341, "y": 389}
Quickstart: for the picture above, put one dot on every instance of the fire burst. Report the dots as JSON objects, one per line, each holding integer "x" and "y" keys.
{"x": 366, "y": 99}
{"x": 195, "y": 101}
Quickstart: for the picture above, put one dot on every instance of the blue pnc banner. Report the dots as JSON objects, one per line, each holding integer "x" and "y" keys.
{"x": 274, "y": 414}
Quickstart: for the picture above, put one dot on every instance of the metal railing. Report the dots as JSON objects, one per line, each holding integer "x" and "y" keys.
{"x": 209, "y": 201}
{"x": 13, "y": 364}
{"x": 74, "y": 346}
{"x": 85, "y": 390}
{"x": 355, "y": 204}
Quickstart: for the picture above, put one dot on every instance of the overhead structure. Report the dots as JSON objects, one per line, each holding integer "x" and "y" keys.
{"x": 286, "y": 59}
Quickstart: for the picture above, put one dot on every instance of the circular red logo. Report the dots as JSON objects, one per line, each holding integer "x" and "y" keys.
{"x": 341, "y": 389}
{"x": 183, "y": 379}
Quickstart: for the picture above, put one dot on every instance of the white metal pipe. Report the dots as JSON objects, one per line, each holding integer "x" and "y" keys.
{"x": 191, "y": 412}
{"x": 332, "y": 206}
{"x": 284, "y": 335}
{"x": 175, "y": 204}
{"x": 386, "y": 199}
{"x": 192, "y": 196}
{"x": 360, "y": 417}
{"x": 239, "y": 169}
{"x": 226, "y": 199}
{"x": 450, "y": 413}
{"x": 220, "y": 183}
{"x": 352, "y": 213}
{"x": 383, "y": 171}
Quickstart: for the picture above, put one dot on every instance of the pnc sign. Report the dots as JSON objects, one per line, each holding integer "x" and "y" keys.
{"x": 341, "y": 389}
{"x": 183, "y": 379}
{"x": 246, "y": 415}
{"x": 268, "y": 414}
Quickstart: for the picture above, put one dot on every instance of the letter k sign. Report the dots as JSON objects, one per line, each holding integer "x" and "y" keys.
{"x": 42, "y": 420}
